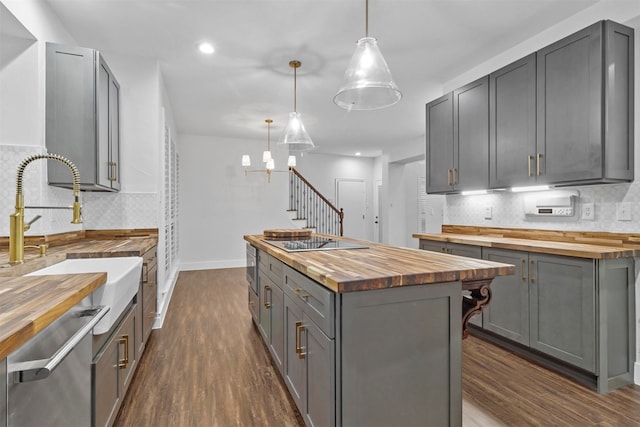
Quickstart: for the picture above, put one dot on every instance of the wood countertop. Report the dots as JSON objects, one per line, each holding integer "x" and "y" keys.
{"x": 30, "y": 303}
{"x": 381, "y": 266}
{"x": 575, "y": 244}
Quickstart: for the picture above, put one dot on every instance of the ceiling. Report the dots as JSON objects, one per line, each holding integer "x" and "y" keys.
{"x": 248, "y": 79}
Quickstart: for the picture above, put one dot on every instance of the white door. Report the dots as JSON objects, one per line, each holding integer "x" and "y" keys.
{"x": 377, "y": 220}
{"x": 351, "y": 197}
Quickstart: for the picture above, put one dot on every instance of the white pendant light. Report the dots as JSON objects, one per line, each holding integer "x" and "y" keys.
{"x": 367, "y": 83}
{"x": 294, "y": 135}
{"x": 246, "y": 160}
{"x": 291, "y": 161}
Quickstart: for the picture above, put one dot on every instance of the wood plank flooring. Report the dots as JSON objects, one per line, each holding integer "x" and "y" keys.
{"x": 207, "y": 367}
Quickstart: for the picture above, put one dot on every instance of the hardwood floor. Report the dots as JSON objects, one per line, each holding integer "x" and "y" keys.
{"x": 207, "y": 367}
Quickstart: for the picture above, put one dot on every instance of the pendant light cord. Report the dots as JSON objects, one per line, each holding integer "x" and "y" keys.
{"x": 366, "y": 19}
{"x": 295, "y": 109}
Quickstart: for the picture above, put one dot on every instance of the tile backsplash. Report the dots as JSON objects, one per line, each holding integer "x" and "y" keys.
{"x": 507, "y": 209}
{"x": 99, "y": 210}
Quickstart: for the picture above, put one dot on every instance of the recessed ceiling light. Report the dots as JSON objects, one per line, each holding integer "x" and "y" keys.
{"x": 358, "y": 153}
{"x": 206, "y": 48}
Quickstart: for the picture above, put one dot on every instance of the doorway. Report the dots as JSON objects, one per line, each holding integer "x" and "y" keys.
{"x": 351, "y": 196}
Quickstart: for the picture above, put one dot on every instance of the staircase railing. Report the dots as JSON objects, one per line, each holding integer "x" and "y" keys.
{"x": 319, "y": 212}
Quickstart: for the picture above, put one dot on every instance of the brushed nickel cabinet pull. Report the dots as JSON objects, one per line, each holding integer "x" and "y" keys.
{"x": 145, "y": 272}
{"x": 300, "y": 294}
{"x": 524, "y": 264}
{"x": 455, "y": 176}
{"x": 538, "y": 157}
{"x": 448, "y": 176}
{"x": 529, "y": 159}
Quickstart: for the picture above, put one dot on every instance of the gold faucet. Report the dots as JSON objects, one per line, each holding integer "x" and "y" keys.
{"x": 17, "y": 226}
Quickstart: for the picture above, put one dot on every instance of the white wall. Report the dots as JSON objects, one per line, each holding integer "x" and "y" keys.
{"x": 219, "y": 204}
{"x": 322, "y": 171}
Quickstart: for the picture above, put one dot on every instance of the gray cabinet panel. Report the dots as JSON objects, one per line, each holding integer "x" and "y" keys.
{"x": 562, "y": 308}
{"x": 320, "y": 358}
{"x": 421, "y": 330}
{"x": 294, "y": 367}
{"x": 471, "y": 136}
{"x": 429, "y": 245}
{"x": 585, "y": 113}
{"x": 271, "y": 314}
{"x": 439, "y": 137}
{"x": 508, "y": 312}
{"x": 512, "y": 111}
{"x": 464, "y": 250}
{"x": 82, "y": 117}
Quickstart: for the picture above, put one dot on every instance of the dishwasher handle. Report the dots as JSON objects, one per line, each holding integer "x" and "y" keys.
{"x": 34, "y": 370}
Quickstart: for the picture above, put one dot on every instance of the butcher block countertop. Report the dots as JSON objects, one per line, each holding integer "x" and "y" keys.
{"x": 381, "y": 266}
{"x": 580, "y": 244}
{"x": 28, "y": 304}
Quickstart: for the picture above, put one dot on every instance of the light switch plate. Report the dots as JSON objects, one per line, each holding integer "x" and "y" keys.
{"x": 588, "y": 211}
{"x": 623, "y": 211}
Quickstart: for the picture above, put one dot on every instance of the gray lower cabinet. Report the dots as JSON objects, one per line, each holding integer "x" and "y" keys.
{"x": 113, "y": 367}
{"x": 271, "y": 310}
{"x": 585, "y": 106}
{"x": 82, "y": 117}
{"x": 383, "y": 357}
{"x": 580, "y": 312}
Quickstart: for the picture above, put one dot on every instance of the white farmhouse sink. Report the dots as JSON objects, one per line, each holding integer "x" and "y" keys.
{"x": 123, "y": 278}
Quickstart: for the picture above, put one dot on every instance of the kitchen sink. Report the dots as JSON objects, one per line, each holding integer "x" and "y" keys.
{"x": 123, "y": 279}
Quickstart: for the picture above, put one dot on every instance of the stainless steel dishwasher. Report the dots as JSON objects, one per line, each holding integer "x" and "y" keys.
{"x": 49, "y": 377}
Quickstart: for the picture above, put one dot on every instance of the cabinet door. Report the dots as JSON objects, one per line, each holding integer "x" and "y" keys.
{"x": 471, "y": 136}
{"x": 508, "y": 311}
{"x": 105, "y": 385}
{"x": 114, "y": 132}
{"x": 512, "y": 124}
{"x": 562, "y": 308}
{"x": 108, "y": 98}
{"x": 276, "y": 344}
{"x": 254, "y": 302}
{"x": 127, "y": 357}
{"x": 439, "y": 152}
{"x": 266, "y": 288}
{"x": 319, "y": 353}
{"x": 294, "y": 366}
{"x": 569, "y": 94}
{"x": 70, "y": 122}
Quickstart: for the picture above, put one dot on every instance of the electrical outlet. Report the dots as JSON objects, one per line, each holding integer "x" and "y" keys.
{"x": 588, "y": 211}
{"x": 488, "y": 212}
{"x": 623, "y": 211}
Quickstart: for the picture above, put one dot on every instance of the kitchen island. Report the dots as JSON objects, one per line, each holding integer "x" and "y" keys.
{"x": 367, "y": 336}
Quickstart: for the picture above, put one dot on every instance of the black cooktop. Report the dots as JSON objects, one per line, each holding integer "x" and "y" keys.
{"x": 314, "y": 244}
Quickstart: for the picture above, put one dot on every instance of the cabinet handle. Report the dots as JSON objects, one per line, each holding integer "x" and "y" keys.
{"x": 125, "y": 361}
{"x": 448, "y": 176}
{"x": 300, "y": 294}
{"x": 267, "y": 288}
{"x": 529, "y": 159}
{"x": 532, "y": 279}
{"x": 299, "y": 330}
{"x": 524, "y": 264}
{"x": 112, "y": 171}
{"x": 455, "y": 177}
{"x": 298, "y": 324}
{"x": 145, "y": 272}
{"x": 538, "y": 157}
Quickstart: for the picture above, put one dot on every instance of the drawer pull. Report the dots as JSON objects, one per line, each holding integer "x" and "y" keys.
{"x": 302, "y": 296}
{"x": 267, "y": 304}
{"x": 529, "y": 159}
{"x": 145, "y": 272}
{"x": 524, "y": 276}
{"x": 299, "y": 329}
{"x": 538, "y": 157}
{"x": 125, "y": 360}
{"x": 532, "y": 279}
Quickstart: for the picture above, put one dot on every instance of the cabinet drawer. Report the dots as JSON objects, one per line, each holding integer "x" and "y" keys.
{"x": 272, "y": 267}
{"x": 317, "y": 302}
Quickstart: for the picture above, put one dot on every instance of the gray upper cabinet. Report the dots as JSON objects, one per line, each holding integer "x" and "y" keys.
{"x": 560, "y": 116}
{"x": 82, "y": 117}
{"x": 585, "y": 106}
{"x": 458, "y": 139}
{"x": 512, "y": 111}
{"x": 471, "y": 136}
{"x": 439, "y": 138}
